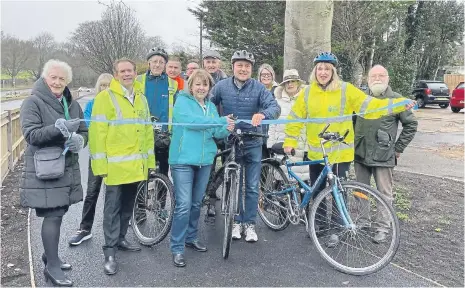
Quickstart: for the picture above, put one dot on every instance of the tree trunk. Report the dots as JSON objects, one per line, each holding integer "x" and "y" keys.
{"x": 371, "y": 55}
{"x": 307, "y": 33}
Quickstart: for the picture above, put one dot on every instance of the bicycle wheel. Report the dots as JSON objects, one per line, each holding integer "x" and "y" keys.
{"x": 272, "y": 208}
{"x": 153, "y": 210}
{"x": 229, "y": 211}
{"x": 354, "y": 250}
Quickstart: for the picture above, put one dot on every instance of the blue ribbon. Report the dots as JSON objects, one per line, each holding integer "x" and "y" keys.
{"x": 276, "y": 121}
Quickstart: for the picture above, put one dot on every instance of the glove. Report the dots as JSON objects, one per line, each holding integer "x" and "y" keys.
{"x": 75, "y": 143}
{"x": 67, "y": 127}
{"x": 73, "y": 125}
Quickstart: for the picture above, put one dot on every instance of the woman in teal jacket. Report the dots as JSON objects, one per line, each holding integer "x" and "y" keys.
{"x": 192, "y": 151}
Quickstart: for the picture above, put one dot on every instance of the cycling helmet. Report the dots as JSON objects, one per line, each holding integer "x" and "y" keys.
{"x": 211, "y": 54}
{"x": 242, "y": 55}
{"x": 157, "y": 51}
{"x": 326, "y": 57}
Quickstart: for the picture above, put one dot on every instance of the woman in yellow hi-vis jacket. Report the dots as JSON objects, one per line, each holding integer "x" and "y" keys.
{"x": 328, "y": 96}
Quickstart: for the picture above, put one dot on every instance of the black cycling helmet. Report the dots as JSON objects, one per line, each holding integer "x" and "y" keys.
{"x": 157, "y": 51}
{"x": 326, "y": 57}
{"x": 242, "y": 55}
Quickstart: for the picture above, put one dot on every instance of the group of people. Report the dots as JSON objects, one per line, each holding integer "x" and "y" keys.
{"x": 117, "y": 127}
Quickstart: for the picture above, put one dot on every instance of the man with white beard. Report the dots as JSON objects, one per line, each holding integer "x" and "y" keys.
{"x": 377, "y": 150}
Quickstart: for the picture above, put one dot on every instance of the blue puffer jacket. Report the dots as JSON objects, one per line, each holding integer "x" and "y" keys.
{"x": 252, "y": 98}
{"x": 194, "y": 145}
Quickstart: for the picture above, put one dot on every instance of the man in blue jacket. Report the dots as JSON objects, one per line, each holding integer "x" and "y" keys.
{"x": 160, "y": 91}
{"x": 246, "y": 98}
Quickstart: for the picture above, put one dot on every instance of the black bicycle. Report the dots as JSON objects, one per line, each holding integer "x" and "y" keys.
{"x": 154, "y": 205}
{"x": 229, "y": 176}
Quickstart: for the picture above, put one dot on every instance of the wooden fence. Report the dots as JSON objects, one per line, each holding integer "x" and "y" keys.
{"x": 452, "y": 80}
{"x": 13, "y": 143}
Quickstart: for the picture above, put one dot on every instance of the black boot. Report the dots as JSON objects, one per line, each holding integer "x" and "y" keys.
{"x": 110, "y": 267}
{"x": 63, "y": 266}
{"x": 178, "y": 260}
{"x": 211, "y": 207}
{"x": 65, "y": 282}
{"x": 124, "y": 245}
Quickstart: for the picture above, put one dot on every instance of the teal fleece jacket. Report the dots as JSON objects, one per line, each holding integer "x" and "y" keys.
{"x": 194, "y": 145}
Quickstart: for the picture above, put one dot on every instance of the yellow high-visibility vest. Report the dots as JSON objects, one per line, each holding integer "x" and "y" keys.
{"x": 314, "y": 102}
{"x": 123, "y": 151}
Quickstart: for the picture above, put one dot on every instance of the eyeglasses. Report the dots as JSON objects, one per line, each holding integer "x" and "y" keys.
{"x": 159, "y": 62}
{"x": 265, "y": 75}
{"x": 104, "y": 85}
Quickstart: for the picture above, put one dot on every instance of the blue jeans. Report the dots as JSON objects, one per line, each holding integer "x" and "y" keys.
{"x": 250, "y": 159}
{"x": 190, "y": 183}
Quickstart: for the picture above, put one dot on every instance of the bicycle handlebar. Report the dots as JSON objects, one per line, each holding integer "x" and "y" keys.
{"x": 278, "y": 148}
{"x": 332, "y": 136}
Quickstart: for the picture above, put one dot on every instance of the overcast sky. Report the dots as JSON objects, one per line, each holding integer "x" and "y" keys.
{"x": 168, "y": 19}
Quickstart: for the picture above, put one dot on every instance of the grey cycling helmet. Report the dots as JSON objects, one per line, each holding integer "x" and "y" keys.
{"x": 157, "y": 51}
{"x": 242, "y": 55}
{"x": 211, "y": 54}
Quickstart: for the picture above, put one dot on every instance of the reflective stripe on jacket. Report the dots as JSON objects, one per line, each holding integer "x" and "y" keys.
{"x": 124, "y": 151}
{"x": 172, "y": 89}
{"x": 314, "y": 102}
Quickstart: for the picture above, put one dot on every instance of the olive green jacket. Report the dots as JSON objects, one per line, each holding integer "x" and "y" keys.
{"x": 375, "y": 140}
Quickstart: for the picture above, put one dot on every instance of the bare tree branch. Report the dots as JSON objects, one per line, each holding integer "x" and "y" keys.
{"x": 15, "y": 53}
{"x": 118, "y": 34}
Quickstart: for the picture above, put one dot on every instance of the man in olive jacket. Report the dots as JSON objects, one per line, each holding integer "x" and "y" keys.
{"x": 377, "y": 150}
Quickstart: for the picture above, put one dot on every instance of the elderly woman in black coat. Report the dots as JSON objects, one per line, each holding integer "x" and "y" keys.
{"x": 51, "y": 180}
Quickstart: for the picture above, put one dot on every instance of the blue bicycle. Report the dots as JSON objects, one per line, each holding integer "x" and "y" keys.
{"x": 339, "y": 220}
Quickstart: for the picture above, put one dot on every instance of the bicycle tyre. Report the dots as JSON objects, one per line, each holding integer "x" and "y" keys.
{"x": 230, "y": 203}
{"x": 386, "y": 259}
{"x": 143, "y": 188}
{"x": 270, "y": 168}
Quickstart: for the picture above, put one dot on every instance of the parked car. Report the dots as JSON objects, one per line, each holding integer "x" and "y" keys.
{"x": 84, "y": 89}
{"x": 427, "y": 92}
{"x": 456, "y": 100}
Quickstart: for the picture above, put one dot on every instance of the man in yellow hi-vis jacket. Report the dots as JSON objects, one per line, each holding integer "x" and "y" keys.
{"x": 121, "y": 150}
{"x": 329, "y": 97}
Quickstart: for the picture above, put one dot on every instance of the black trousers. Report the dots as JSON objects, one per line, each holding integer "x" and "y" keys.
{"x": 90, "y": 202}
{"x": 339, "y": 169}
{"x": 119, "y": 203}
{"x": 221, "y": 146}
{"x": 162, "y": 158}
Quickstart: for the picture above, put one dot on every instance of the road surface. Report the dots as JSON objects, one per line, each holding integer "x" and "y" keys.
{"x": 13, "y": 104}
{"x": 440, "y": 134}
{"x": 285, "y": 258}
{"x": 5, "y": 93}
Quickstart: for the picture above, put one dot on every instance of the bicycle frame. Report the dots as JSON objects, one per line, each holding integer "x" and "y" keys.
{"x": 228, "y": 166}
{"x": 327, "y": 173}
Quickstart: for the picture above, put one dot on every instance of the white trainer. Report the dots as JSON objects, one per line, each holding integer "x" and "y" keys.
{"x": 236, "y": 231}
{"x": 250, "y": 234}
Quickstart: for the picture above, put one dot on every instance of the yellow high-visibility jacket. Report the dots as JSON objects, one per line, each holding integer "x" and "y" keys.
{"x": 314, "y": 102}
{"x": 123, "y": 151}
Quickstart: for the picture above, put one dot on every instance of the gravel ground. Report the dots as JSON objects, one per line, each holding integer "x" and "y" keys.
{"x": 15, "y": 256}
{"x": 432, "y": 227}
